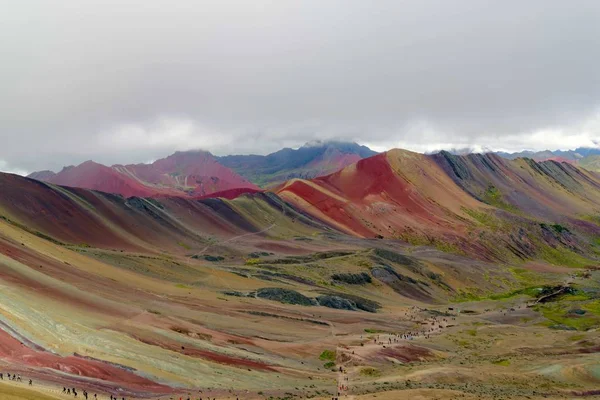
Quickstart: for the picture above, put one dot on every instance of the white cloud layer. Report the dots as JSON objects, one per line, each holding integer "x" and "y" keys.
{"x": 123, "y": 82}
{"x": 4, "y": 167}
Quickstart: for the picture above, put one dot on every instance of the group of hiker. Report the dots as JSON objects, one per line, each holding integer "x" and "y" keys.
{"x": 14, "y": 377}
{"x": 73, "y": 391}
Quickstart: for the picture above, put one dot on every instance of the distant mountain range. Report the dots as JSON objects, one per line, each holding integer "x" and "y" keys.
{"x": 309, "y": 161}
{"x": 188, "y": 174}
{"x": 588, "y": 158}
{"x": 199, "y": 174}
{"x": 481, "y": 205}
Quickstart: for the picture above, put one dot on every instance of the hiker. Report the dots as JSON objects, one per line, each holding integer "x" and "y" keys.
{"x": 30, "y": 382}
{"x": 64, "y": 389}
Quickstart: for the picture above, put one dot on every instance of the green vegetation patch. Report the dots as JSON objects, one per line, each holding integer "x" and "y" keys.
{"x": 286, "y": 296}
{"x": 328, "y": 355}
{"x": 353, "y": 279}
{"x": 555, "y": 227}
{"x": 311, "y": 257}
{"x": 559, "y": 316}
{"x": 208, "y": 257}
{"x": 369, "y": 330}
{"x": 502, "y": 362}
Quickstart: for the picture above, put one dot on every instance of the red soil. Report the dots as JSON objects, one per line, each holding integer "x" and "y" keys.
{"x": 333, "y": 161}
{"x": 14, "y": 352}
{"x": 363, "y": 187}
{"x": 405, "y": 354}
{"x": 91, "y": 175}
{"x": 332, "y": 207}
{"x": 58, "y": 271}
{"x": 204, "y": 354}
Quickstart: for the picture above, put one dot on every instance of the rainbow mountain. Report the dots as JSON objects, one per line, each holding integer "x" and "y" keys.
{"x": 166, "y": 295}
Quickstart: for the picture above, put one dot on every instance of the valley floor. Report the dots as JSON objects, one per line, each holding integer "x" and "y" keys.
{"x": 260, "y": 319}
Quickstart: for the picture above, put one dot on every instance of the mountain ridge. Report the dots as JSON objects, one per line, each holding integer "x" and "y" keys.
{"x": 198, "y": 173}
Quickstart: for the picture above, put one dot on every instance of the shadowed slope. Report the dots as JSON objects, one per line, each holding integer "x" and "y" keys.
{"x": 82, "y": 217}
{"x": 546, "y": 190}
{"x": 309, "y": 161}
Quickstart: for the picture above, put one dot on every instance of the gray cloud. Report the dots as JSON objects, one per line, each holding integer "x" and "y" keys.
{"x": 132, "y": 82}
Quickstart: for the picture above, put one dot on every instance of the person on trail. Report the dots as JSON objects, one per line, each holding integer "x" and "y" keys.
{"x": 68, "y": 391}
{"x": 64, "y": 389}
{"x": 30, "y": 382}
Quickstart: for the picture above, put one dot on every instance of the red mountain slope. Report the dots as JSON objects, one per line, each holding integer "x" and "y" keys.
{"x": 394, "y": 194}
{"x": 187, "y": 174}
{"x": 91, "y": 175}
{"x": 197, "y": 173}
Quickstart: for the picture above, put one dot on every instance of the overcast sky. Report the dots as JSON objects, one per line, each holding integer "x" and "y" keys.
{"x": 131, "y": 81}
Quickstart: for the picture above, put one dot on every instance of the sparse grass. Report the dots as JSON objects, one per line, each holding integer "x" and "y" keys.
{"x": 576, "y": 338}
{"x": 485, "y": 218}
{"x": 557, "y": 315}
{"x": 562, "y": 256}
{"x": 593, "y": 307}
{"x": 493, "y": 197}
{"x": 465, "y": 295}
{"x": 440, "y": 244}
{"x": 371, "y": 372}
{"x": 530, "y": 291}
{"x": 502, "y": 362}
{"x": 182, "y": 286}
{"x": 526, "y": 277}
{"x": 447, "y": 247}
{"x": 185, "y": 246}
